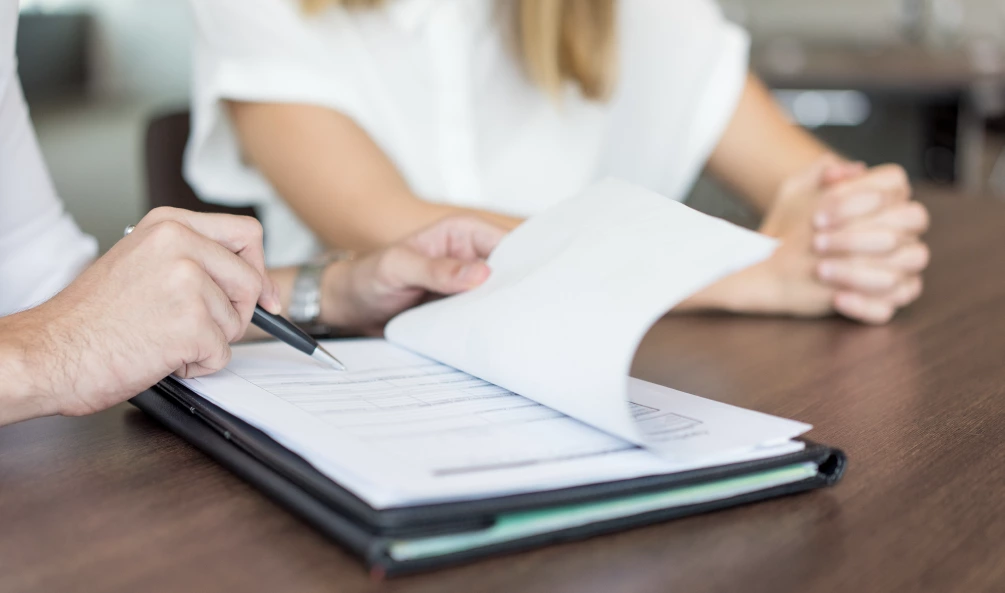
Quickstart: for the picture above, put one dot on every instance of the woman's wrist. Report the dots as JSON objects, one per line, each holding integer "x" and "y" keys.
{"x": 338, "y": 302}
{"x": 750, "y": 291}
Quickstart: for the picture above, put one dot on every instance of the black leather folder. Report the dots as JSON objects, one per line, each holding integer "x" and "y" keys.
{"x": 369, "y": 533}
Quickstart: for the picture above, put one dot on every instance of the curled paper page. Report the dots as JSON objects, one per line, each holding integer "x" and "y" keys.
{"x": 572, "y": 293}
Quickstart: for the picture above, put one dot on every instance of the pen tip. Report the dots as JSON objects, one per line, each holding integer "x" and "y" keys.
{"x": 322, "y": 355}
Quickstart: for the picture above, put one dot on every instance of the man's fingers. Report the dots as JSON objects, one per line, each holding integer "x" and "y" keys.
{"x": 222, "y": 311}
{"x": 241, "y": 283}
{"x": 213, "y": 354}
{"x": 240, "y": 235}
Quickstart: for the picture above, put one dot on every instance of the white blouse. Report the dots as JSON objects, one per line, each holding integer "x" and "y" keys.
{"x": 41, "y": 248}
{"x": 437, "y": 86}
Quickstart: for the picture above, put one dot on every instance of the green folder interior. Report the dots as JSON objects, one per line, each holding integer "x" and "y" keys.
{"x": 520, "y": 525}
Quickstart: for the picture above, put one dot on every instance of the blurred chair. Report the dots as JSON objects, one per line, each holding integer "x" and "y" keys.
{"x": 165, "y": 150}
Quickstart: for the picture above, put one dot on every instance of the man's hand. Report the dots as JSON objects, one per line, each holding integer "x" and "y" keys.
{"x": 168, "y": 298}
{"x": 443, "y": 259}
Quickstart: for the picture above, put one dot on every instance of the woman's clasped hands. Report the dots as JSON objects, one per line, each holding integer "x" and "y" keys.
{"x": 850, "y": 242}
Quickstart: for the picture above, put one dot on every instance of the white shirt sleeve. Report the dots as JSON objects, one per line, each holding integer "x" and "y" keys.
{"x": 261, "y": 51}
{"x": 41, "y": 248}
{"x": 682, "y": 71}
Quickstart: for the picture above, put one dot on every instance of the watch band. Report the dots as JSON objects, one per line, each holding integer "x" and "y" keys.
{"x": 305, "y": 302}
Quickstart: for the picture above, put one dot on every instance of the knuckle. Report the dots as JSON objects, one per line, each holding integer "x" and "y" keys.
{"x": 248, "y": 288}
{"x": 896, "y": 175}
{"x": 159, "y": 214}
{"x": 256, "y": 283}
{"x": 924, "y": 218}
{"x": 924, "y": 255}
{"x": 253, "y": 228}
{"x": 884, "y": 315}
{"x": 185, "y": 274}
{"x": 167, "y": 233}
{"x": 388, "y": 262}
{"x": 222, "y": 358}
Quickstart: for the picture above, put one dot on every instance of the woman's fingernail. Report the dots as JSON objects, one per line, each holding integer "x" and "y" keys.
{"x": 826, "y": 270}
{"x": 821, "y": 220}
{"x": 821, "y": 242}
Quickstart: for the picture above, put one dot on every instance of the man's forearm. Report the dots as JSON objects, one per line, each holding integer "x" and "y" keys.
{"x": 22, "y": 395}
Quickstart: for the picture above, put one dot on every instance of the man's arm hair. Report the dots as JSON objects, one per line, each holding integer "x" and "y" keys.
{"x": 23, "y": 372}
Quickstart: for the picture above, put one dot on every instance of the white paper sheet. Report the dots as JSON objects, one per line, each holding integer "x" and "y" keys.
{"x": 571, "y": 295}
{"x": 399, "y": 429}
{"x": 573, "y": 292}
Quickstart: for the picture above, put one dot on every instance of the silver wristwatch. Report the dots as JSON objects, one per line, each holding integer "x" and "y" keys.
{"x": 305, "y": 303}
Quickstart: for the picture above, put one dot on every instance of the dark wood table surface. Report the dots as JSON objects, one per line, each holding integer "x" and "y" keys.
{"x": 115, "y": 503}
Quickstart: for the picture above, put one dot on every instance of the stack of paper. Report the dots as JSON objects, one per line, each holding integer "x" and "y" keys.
{"x": 521, "y": 384}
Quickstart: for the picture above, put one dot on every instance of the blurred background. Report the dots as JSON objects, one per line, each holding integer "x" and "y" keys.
{"x": 916, "y": 82}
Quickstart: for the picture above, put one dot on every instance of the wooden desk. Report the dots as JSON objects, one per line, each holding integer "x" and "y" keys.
{"x": 114, "y": 503}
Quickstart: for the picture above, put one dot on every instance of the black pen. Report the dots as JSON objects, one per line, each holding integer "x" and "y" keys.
{"x": 286, "y": 331}
{"x": 283, "y": 330}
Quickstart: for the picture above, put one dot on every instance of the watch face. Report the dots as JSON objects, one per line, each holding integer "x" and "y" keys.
{"x": 305, "y": 303}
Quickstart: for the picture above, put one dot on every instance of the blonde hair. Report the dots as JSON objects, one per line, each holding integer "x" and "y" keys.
{"x": 560, "y": 41}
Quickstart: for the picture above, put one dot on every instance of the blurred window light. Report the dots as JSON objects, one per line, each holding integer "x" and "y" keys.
{"x": 815, "y": 109}
{"x": 47, "y": 5}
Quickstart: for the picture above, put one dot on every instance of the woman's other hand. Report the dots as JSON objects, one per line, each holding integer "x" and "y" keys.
{"x": 446, "y": 258}
{"x": 858, "y": 239}
{"x": 867, "y": 233}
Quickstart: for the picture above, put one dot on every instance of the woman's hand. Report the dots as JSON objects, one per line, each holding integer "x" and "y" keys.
{"x": 446, "y": 258}
{"x": 852, "y": 232}
{"x": 868, "y": 237}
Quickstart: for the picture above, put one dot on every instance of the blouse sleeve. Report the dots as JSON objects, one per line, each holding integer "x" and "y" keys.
{"x": 261, "y": 51}
{"x": 682, "y": 70}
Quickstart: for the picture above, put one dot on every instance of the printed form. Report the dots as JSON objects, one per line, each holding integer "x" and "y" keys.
{"x": 521, "y": 384}
{"x": 401, "y": 429}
